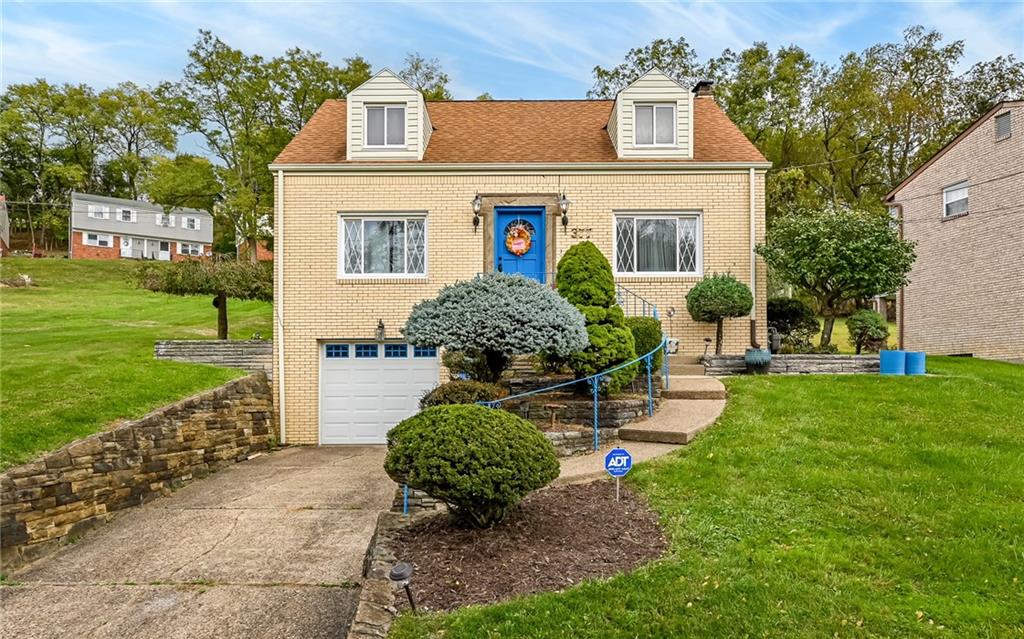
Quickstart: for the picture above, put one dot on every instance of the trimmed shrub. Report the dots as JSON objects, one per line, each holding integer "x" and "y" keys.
{"x": 647, "y": 335}
{"x": 480, "y": 461}
{"x": 461, "y": 392}
{"x": 795, "y": 321}
{"x": 715, "y": 298}
{"x": 585, "y": 279}
{"x": 463, "y": 365}
{"x": 868, "y": 330}
{"x": 494, "y": 317}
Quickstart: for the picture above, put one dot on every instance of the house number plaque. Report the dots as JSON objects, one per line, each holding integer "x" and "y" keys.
{"x": 580, "y": 233}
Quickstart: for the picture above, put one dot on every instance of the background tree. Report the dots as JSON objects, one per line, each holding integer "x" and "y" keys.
{"x": 484, "y": 97}
{"x": 837, "y": 254}
{"x": 585, "y": 279}
{"x": 187, "y": 181}
{"x": 676, "y": 58}
{"x": 717, "y": 298}
{"x": 426, "y": 76}
{"x": 497, "y": 316}
{"x": 223, "y": 279}
{"x": 867, "y": 331}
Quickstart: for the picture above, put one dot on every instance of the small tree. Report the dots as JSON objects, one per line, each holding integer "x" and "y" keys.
{"x": 715, "y": 298}
{"x": 496, "y": 316}
{"x": 222, "y": 279}
{"x": 836, "y": 255}
{"x": 868, "y": 331}
{"x": 585, "y": 279}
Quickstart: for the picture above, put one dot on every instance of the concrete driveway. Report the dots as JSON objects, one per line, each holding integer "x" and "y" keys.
{"x": 272, "y": 547}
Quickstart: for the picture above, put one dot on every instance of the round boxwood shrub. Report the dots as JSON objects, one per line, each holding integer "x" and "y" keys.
{"x": 715, "y": 298}
{"x": 647, "y": 335}
{"x": 461, "y": 392}
{"x": 585, "y": 279}
{"x": 868, "y": 331}
{"x": 480, "y": 461}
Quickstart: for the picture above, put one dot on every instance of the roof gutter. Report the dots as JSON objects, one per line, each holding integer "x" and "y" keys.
{"x": 568, "y": 167}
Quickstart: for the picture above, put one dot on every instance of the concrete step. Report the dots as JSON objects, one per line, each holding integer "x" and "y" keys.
{"x": 685, "y": 369}
{"x": 693, "y": 387}
{"x": 683, "y": 359}
{"x": 676, "y": 422}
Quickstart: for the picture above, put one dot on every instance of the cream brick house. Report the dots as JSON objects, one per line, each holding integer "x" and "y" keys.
{"x": 965, "y": 210}
{"x": 384, "y": 198}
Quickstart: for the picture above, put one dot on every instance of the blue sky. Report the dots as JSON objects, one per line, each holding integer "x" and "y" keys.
{"x": 512, "y": 50}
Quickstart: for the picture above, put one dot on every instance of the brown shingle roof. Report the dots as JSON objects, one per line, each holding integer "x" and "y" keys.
{"x": 488, "y": 132}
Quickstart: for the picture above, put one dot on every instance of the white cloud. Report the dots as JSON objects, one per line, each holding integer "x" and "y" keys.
{"x": 988, "y": 31}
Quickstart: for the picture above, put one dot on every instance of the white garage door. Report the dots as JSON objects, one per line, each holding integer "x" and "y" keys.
{"x": 367, "y": 388}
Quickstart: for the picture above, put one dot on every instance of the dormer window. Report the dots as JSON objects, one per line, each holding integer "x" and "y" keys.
{"x": 655, "y": 124}
{"x": 385, "y": 125}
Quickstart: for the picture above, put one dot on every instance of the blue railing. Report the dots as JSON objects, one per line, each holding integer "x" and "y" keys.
{"x": 633, "y": 305}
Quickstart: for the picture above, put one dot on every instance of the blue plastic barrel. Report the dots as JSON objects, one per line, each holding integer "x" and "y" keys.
{"x": 915, "y": 363}
{"x": 892, "y": 362}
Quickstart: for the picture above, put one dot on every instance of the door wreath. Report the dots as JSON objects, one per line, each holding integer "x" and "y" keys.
{"x": 518, "y": 238}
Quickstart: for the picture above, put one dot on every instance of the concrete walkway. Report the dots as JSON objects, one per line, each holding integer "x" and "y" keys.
{"x": 272, "y": 547}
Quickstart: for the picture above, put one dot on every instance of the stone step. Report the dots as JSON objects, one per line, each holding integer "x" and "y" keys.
{"x": 693, "y": 387}
{"x": 685, "y": 369}
{"x": 683, "y": 359}
{"x": 676, "y": 422}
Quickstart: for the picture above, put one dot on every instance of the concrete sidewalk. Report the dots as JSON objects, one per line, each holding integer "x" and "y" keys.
{"x": 272, "y": 547}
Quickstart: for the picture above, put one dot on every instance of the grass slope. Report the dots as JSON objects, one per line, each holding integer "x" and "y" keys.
{"x": 76, "y": 351}
{"x": 818, "y": 506}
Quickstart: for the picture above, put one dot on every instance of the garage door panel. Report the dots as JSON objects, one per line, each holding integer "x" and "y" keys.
{"x": 362, "y": 398}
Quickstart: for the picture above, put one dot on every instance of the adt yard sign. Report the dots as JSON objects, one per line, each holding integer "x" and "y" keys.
{"x": 617, "y": 462}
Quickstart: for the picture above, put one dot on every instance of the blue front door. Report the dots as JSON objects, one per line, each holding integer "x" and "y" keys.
{"x": 519, "y": 240}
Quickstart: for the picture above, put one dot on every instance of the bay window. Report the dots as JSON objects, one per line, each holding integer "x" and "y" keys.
{"x": 382, "y": 246}
{"x": 658, "y": 244}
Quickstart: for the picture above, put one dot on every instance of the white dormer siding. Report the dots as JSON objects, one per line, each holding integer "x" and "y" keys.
{"x": 655, "y": 89}
{"x": 387, "y": 89}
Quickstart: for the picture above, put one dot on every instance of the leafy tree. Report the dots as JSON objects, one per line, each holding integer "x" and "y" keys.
{"x": 496, "y": 316}
{"x": 186, "y": 181}
{"x": 484, "y": 97}
{"x": 837, "y": 254}
{"x": 426, "y": 76}
{"x": 676, "y": 58}
{"x": 716, "y": 298}
{"x": 222, "y": 279}
{"x": 303, "y": 80}
{"x": 480, "y": 461}
{"x": 585, "y": 279}
{"x": 868, "y": 330}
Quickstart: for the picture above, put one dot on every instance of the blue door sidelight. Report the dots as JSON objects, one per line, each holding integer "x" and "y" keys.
{"x": 519, "y": 240}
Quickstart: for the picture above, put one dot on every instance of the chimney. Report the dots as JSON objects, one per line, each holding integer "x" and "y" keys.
{"x": 703, "y": 88}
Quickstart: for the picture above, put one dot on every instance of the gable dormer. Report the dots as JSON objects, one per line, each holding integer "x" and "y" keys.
{"x": 387, "y": 120}
{"x": 653, "y": 118}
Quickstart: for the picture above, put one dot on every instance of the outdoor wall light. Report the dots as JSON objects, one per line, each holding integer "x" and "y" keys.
{"x": 400, "y": 575}
{"x": 478, "y": 204}
{"x": 563, "y": 206}
{"x": 380, "y": 330}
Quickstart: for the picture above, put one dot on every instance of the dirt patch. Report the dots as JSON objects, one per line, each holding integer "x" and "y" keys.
{"x": 554, "y": 539}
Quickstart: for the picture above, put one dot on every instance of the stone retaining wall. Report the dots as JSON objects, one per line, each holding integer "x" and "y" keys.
{"x": 575, "y": 442}
{"x": 252, "y": 355}
{"x": 573, "y": 409}
{"x": 719, "y": 365}
{"x": 68, "y": 491}
{"x": 376, "y": 608}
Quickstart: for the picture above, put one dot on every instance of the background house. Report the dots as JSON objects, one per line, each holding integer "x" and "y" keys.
{"x": 384, "y": 198}
{"x": 108, "y": 228}
{"x": 965, "y": 210}
{"x": 5, "y": 228}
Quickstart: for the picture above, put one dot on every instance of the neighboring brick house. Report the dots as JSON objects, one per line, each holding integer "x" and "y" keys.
{"x": 109, "y": 228}
{"x": 384, "y": 198}
{"x": 964, "y": 208}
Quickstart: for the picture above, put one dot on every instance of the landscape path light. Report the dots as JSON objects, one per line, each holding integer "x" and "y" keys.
{"x": 400, "y": 575}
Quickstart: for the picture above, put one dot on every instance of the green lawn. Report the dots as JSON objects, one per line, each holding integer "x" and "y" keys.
{"x": 818, "y": 506}
{"x": 76, "y": 351}
{"x": 841, "y": 336}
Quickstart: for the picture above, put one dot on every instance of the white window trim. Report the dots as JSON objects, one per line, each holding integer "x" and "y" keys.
{"x": 946, "y": 201}
{"x": 405, "y": 125}
{"x": 181, "y": 249}
{"x": 132, "y": 216}
{"x": 86, "y": 241}
{"x": 654, "y": 125}
{"x": 995, "y": 125}
{"x": 185, "y": 220}
{"x": 98, "y": 212}
{"x": 383, "y": 217}
{"x": 649, "y": 215}
{"x": 165, "y": 217}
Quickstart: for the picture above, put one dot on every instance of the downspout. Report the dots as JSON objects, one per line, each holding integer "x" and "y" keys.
{"x": 753, "y": 260}
{"x": 279, "y": 306}
{"x": 899, "y": 295}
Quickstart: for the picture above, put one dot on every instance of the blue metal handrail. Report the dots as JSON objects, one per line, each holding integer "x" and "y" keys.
{"x": 595, "y": 386}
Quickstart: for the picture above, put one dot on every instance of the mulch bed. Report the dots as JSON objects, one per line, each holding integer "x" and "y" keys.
{"x": 554, "y": 539}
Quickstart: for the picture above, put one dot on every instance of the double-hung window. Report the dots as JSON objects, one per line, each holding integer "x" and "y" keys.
{"x": 655, "y": 124}
{"x": 98, "y": 239}
{"x": 382, "y": 247}
{"x": 954, "y": 200}
{"x": 163, "y": 219}
{"x": 190, "y": 223}
{"x": 385, "y": 125}
{"x": 125, "y": 215}
{"x": 98, "y": 212}
{"x": 195, "y": 250}
{"x": 658, "y": 244}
